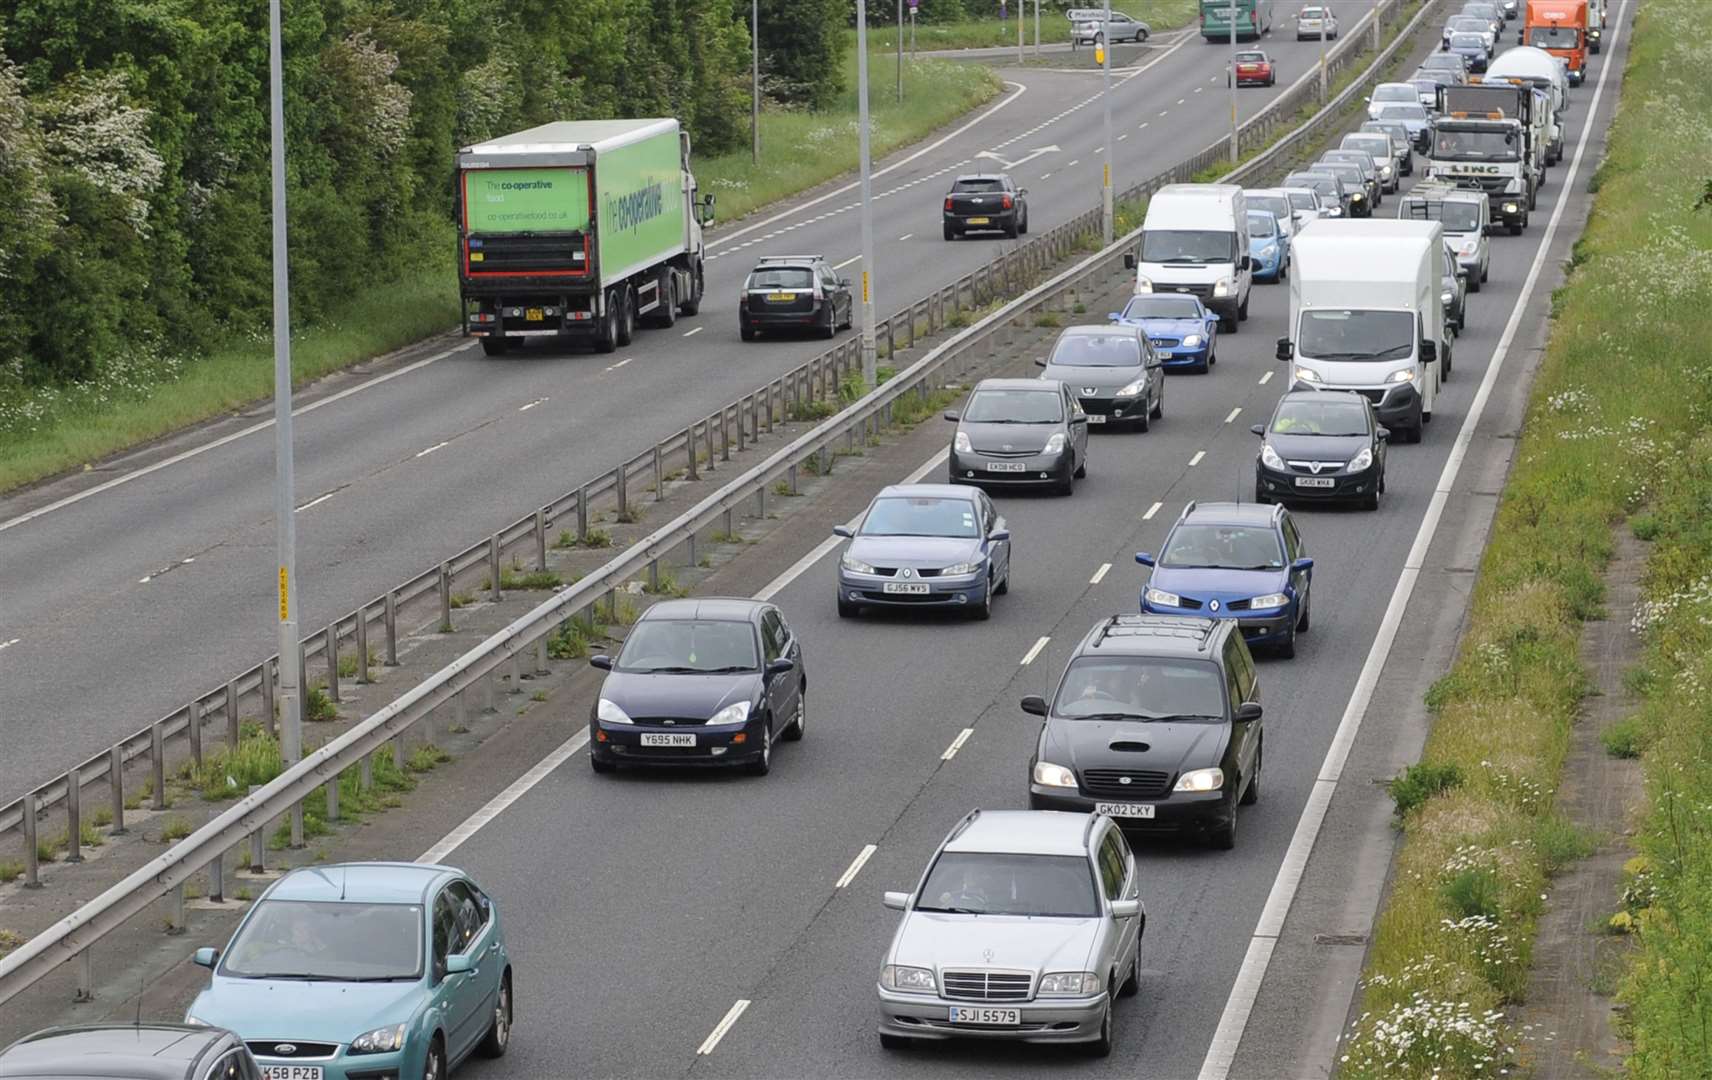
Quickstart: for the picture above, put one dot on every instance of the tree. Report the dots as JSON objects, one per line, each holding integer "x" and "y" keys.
{"x": 802, "y": 47}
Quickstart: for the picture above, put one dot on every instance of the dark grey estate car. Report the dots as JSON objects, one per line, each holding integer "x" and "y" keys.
{"x": 1113, "y": 370}
{"x": 143, "y": 1051}
{"x": 1020, "y": 432}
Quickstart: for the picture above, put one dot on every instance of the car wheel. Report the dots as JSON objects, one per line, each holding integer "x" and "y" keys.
{"x": 1141, "y": 421}
{"x": 1288, "y": 650}
{"x": 847, "y": 610}
{"x": 627, "y": 318}
{"x": 1212, "y": 358}
{"x": 894, "y": 1042}
{"x": 498, "y": 1037}
{"x": 1370, "y": 501}
{"x": 1159, "y": 405}
{"x": 1304, "y": 622}
{"x": 830, "y": 330}
{"x": 746, "y": 332}
{"x": 985, "y": 610}
{"x": 1242, "y": 311}
{"x": 1013, "y": 228}
{"x": 606, "y": 340}
{"x": 763, "y": 765}
{"x": 692, "y": 305}
{"x": 1252, "y": 795}
{"x": 1081, "y": 469}
{"x": 599, "y": 766}
{"x": 434, "y": 1062}
{"x": 1485, "y": 271}
{"x": 1023, "y": 226}
{"x": 1102, "y": 1046}
{"x": 495, "y": 346}
{"x": 1132, "y": 982}
{"x": 1141, "y": 38}
{"x": 950, "y": 234}
{"x": 1515, "y": 230}
{"x": 1474, "y": 282}
{"x": 794, "y": 733}
{"x": 666, "y": 314}
{"x": 1223, "y": 836}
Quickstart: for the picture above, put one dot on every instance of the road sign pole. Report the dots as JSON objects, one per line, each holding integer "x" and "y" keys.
{"x": 869, "y": 361}
{"x": 755, "y": 82}
{"x": 1230, "y": 73}
{"x": 1107, "y": 211}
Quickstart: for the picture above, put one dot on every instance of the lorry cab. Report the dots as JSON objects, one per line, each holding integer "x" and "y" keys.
{"x": 1367, "y": 315}
{"x": 1560, "y": 28}
{"x": 1194, "y": 240}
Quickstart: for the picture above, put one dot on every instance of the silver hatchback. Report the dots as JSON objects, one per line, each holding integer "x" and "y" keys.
{"x": 1026, "y": 926}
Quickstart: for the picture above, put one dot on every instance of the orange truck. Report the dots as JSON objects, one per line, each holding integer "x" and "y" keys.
{"x": 1560, "y": 28}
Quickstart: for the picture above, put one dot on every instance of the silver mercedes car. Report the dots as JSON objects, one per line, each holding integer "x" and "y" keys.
{"x": 1025, "y": 926}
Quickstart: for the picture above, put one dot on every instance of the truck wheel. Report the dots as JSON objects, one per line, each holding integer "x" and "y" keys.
{"x": 496, "y": 346}
{"x": 606, "y": 339}
{"x": 626, "y": 316}
{"x": 692, "y": 306}
{"x": 666, "y": 314}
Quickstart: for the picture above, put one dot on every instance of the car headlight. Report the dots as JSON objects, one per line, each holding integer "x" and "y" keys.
{"x": 1222, "y": 287}
{"x": 855, "y": 566}
{"x": 1406, "y": 375}
{"x": 1445, "y": 298}
{"x": 911, "y": 980}
{"x": 1193, "y": 341}
{"x": 1054, "y": 445}
{"x": 1308, "y": 375}
{"x": 1358, "y": 197}
{"x": 961, "y": 443}
{"x": 1162, "y": 598}
{"x": 1132, "y": 389}
{"x": 1270, "y": 600}
{"x": 960, "y": 569}
{"x": 610, "y": 713}
{"x": 1385, "y": 172}
{"x": 1362, "y": 460}
{"x": 735, "y": 713}
{"x": 1069, "y": 984}
{"x": 379, "y": 1041}
{"x": 1469, "y": 247}
{"x": 1268, "y": 250}
{"x": 1143, "y": 284}
{"x": 1047, "y": 774}
{"x": 1201, "y": 780}
{"x": 1269, "y": 457}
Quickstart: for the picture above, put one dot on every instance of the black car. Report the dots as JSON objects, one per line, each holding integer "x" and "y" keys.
{"x": 1113, "y": 370}
{"x": 794, "y": 292}
{"x": 1354, "y": 180}
{"x": 985, "y": 202}
{"x": 700, "y": 682}
{"x": 1453, "y": 293}
{"x": 1020, "y": 432}
{"x": 1321, "y": 446}
{"x": 143, "y": 1051}
{"x": 1155, "y": 724}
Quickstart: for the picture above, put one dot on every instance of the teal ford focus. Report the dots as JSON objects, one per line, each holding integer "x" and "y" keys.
{"x": 364, "y": 971}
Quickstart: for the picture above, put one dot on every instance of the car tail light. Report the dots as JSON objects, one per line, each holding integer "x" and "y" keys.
{"x": 947, "y": 202}
{"x": 1007, "y": 202}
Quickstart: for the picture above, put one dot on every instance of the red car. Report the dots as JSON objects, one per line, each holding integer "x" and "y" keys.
{"x": 1253, "y": 68}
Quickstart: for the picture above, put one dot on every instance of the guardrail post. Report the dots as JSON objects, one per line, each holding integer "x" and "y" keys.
{"x": 760, "y": 515}
{"x": 653, "y": 575}
{"x": 175, "y": 910}
{"x": 157, "y": 763}
{"x": 582, "y": 514}
{"x": 303, "y": 670}
{"x": 770, "y": 403}
{"x": 659, "y": 476}
{"x": 217, "y": 879}
{"x": 825, "y": 460}
{"x": 541, "y": 539}
{"x": 516, "y": 674}
{"x": 398, "y": 752}
{"x": 791, "y": 478}
{"x": 332, "y": 651}
{"x": 193, "y": 729}
{"x": 73, "y": 819}
{"x": 742, "y": 435}
{"x": 445, "y": 598}
{"x": 363, "y": 645}
{"x": 32, "y": 867}
{"x": 116, "y": 782}
{"x": 694, "y": 470}
{"x": 621, "y": 488}
{"x": 333, "y": 798}
{"x": 391, "y": 629}
{"x": 493, "y": 566}
{"x": 85, "y": 977}
{"x": 234, "y": 728}
{"x": 258, "y": 842}
{"x": 541, "y": 667}
{"x": 724, "y": 438}
{"x": 611, "y": 605}
{"x": 488, "y": 706}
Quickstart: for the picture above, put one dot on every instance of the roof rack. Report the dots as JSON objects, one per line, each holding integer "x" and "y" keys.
{"x": 968, "y": 820}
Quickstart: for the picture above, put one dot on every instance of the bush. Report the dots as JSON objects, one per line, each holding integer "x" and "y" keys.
{"x": 1418, "y": 783}
{"x": 1623, "y": 739}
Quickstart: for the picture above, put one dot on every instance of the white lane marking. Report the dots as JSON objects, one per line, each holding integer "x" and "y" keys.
{"x": 1266, "y": 378}
{"x": 1198, "y": 89}
{"x": 1179, "y": 101}
{"x": 1124, "y": 136}
{"x": 847, "y": 262}
{"x": 1021, "y": 89}
{"x": 693, "y": 333}
{"x": 1154, "y": 509}
{"x": 1100, "y": 574}
{"x": 1141, "y": 125}
{"x": 905, "y": 236}
{"x": 313, "y": 502}
{"x": 1034, "y": 651}
{"x": 957, "y": 744}
{"x": 1196, "y": 460}
{"x": 724, "y": 1026}
{"x": 855, "y": 867}
{"x": 497, "y": 805}
{"x": 144, "y": 580}
{"x": 60, "y": 504}
{"x": 9, "y": 644}
{"x": 1164, "y": 112}
{"x": 621, "y": 363}
{"x": 187, "y": 562}
{"x": 431, "y": 449}
{"x": 1234, "y": 413}
{"x": 1221, "y": 1052}
{"x": 1073, "y": 164}
{"x": 531, "y": 405}
{"x": 1044, "y": 175}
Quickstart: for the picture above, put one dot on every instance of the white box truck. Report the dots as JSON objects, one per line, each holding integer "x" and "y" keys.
{"x": 1195, "y": 240}
{"x": 1366, "y": 315}
{"x": 1547, "y": 74}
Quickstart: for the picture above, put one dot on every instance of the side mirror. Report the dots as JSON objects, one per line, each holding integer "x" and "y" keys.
{"x": 1114, "y": 316}
{"x": 784, "y": 665}
{"x": 1126, "y": 909}
{"x": 1040, "y": 361}
{"x": 1258, "y": 429}
{"x": 843, "y": 530}
{"x": 1034, "y": 705}
{"x": 1129, "y": 260}
{"x": 999, "y": 535}
{"x": 1429, "y": 352}
{"x": 952, "y": 415}
{"x": 1247, "y": 712}
{"x": 1302, "y": 564}
{"x": 1384, "y": 433}
{"x": 458, "y": 963}
{"x": 1145, "y": 558}
{"x": 1246, "y": 263}
{"x": 843, "y": 283}
{"x": 1286, "y": 348}
{"x": 897, "y": 901}
{"x": 601, "y": 661}
{"x": 1022, "y": 191}
{"x": 207, "y": 957}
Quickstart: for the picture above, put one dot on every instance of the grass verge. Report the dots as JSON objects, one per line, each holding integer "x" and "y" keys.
{"x": 1615, "y": 420}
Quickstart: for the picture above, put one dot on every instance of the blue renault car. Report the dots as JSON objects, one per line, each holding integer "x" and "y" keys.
{"x": 1268, "y": 246}
{"x": 1239, "y": 561}
{"x": 364, "y": 971}
{"x": 1184, "y": 333}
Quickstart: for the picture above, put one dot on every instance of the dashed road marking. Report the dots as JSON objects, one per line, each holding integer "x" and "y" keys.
{"x": 950, "y": 751}
{"x": 315, "y": 502}
{"x": 1100, "y": 574}
{"x": 621, "y": 363}
{"x": 856, "y": 865}
{"x": 1266, "y": 378}
{"x": 1154, "y": 509}
{"x": 693, "y": 333}
{"x": 1028, "y": 657}
{"x": 847, "y": 262}
{"x": 14, "y": 641}
{"x": 722, "y": 1027}
{"x": 430, "y": 450}
{"x": 531, "y": 405}
{"x": 1073, "y": 164}
{"x": 1141, "y": 125}
{"x": 1180, "y": 101}
{"x": 1196, "y": 460}
{"x": 1234, "y": 413}
{"x": 1124, "y": 136}
{"x": 905, "y": 236}
{"x": 1045, "y": 175}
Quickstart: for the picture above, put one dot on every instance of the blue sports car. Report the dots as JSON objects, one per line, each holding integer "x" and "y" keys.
{"x": 925, "y": 545}
{"x": 361, "y": 970}
{"x": 1184, "y": 333}
{"x": 1237, "y": 561}
{"x": 1268, "y": 246}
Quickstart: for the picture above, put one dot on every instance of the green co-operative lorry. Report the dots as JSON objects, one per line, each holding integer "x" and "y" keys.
{"x": 579, "y": 229}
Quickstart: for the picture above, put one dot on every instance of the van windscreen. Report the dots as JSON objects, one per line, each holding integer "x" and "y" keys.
{"x": 1187, "y": 246}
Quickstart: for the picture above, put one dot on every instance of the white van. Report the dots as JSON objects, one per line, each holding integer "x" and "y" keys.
{"x": 1366, "y": 314}
{"x": 1195, "y": 240}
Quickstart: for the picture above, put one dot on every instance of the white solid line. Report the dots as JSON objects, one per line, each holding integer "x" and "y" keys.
{"x": 724, "y": 1026}
{"x": 621, "y": 363}
{"x": 60, "y": 504}
{"x": 1164, "y": 112}
{"x": 1154, "y": 509}
{"x": 531, "y": 405}
{"x": 905, "y": 236}
{"x": 847, "y": 262}
{"x": 1196, "y": 460}
{"x": 314, "y": 502}
{"x": 1034, "y": 651}
{"x": 1100, "y": 574}
{"x": 1198, "y": 89}
{"x": 1266, "y": 378}
{"x": 957, "y": 744}
{"x": 693, "y": 333}
{"x": 1221, "y": 1053}
{"x": 1234, "y": 413}
{"x": 430, "y": 450}
{"x": 497, "y": 805}
{"x": 855, "y": 867}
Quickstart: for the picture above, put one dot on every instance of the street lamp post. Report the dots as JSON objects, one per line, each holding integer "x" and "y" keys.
{"x": 1106, "y": 209}
{"x": 900, "y": 52}
{"x": 1230, "y": 72}
{"x": 1325, "y": 16}
{"x": 755, "y": 82}
{"x": 869, "y": 362}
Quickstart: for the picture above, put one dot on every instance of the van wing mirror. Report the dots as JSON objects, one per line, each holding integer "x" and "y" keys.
{"x": 1129, "y": 260}
{"x": 1286, "y": 348}
{"x": 1429, "y": 352}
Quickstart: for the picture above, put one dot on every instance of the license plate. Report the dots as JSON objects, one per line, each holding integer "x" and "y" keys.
{"x": 1315, "y": 481}
{"x": 533, "y": 315}
{"x": 1004, "y": 466}
{"x": 978, "y": 221}
{"x": 1124, "y": 809}
{"x": 910, "y": 588}
{"x": 667, "y": 739}
{"x": 290, "y": 1072}
{"x": 970, "y": 1014}
{"x": 781, "y": 297}
{"x": 1096, "y": 418}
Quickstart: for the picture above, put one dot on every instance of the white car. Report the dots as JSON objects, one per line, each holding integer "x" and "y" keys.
{"x": 1315, "y": 22}
{"x": 1391, "y": 93}
{"x": 1088, "y": 27}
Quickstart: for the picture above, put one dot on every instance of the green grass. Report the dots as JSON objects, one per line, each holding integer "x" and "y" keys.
{"x": 175, "y": 828}
{"x": 570, "y": 643}
{"x": 1623, "y": 739}
{"x": 10, "y": 870}
{"x": 317, "y": 706}
{"x": 228, "y": 773}
{"x": 1160, "y": 16}
{"x": 533, "y": 580}
{"x": 9, "y": 941}
{"x": 390, "y": 782}
{"x": 1616, "y": 423}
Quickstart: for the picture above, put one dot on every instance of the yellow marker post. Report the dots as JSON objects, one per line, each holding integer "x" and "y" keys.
{"x": 284, "y": 595}
{"x": 864, "y": 286}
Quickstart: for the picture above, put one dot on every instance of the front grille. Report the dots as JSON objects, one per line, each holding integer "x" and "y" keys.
{"x": 1006, "y": 453}
{"x": 1106, "y": 406}
{"x": 987, "y": 985}
{"x": 1375, "y": 396}
{"x": 1239, "y": 605}
{"x": 1307, "y": 467}
{"x": 923, "y": 571}
{"x": 1143, "y": 783}
{"x": 298, "y": 1051}
{"x": 670, "y": 721}
{"x": 1205, "y": 292}
{"x": 1166, "y": 342}
{"x": 521, "y": 254}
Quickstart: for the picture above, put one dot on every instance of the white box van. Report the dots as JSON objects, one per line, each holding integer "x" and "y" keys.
{"x": 1195, "y": 240}
{"x": 1366, "y": 315}
{"x": 1546, "y": 72}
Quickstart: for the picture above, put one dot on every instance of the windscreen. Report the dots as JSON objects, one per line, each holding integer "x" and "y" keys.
{"x": 1333, "y": 334}
{"x": 1453, "y": 144}
{"x": 1469, "y": 24}
{"x": 1262, "y": 224}
{"x": 992, "y": 883}
{"x": 1375, "y": 148}
{"x": 1015, "y": 407}
{"x": 1400, "y": 111}
{"x": 1187, "y": 246}
{"x": 1364, "y": 162}
{"x": 1251, "y": 58}
{"x": 1459, "y": 217}
{"x": 782, "y": 277}
{"x": 1162, "y": 306}
{"x": 1098, "y": 350}
{"x": 978, "y": 186}
{"x": 1304, "y": 200}
{"x": 689, "y": 646}
{"x": 1223, "y": 547}
{"x": 1394, "y": 92}
{"x": 1276, "y": 205}
{"x": 1140, "y": 688}
{"x": 1320, "y": 417}
{"x": 898, "y": 515}
{"x": 337, "y": 942}
{"x": 1467, "y": 41}
{"x": 1349, "y": 174}
{"x": 1553, "y": 37}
